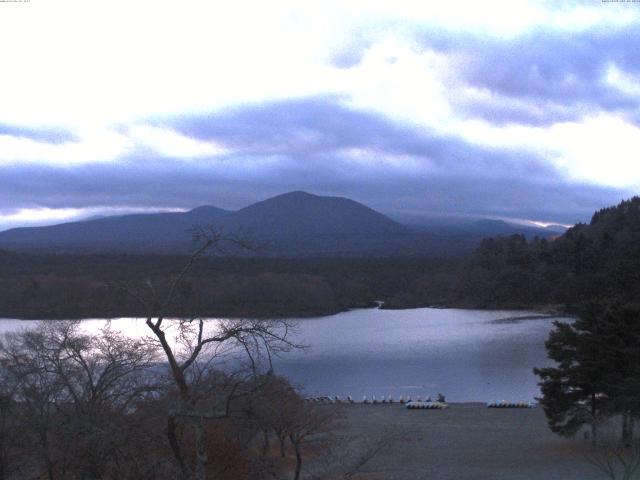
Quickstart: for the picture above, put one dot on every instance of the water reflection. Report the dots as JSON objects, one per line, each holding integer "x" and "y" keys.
{"x": 464, "y": 354}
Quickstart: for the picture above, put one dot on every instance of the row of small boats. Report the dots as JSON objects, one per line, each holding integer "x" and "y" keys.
{"x": 426, "y": 405}
{"x": 505, "y": 404}
{"x": 325, "y": 400}
{"x": 417, "y": 403}
{"x": 373, "y": 400}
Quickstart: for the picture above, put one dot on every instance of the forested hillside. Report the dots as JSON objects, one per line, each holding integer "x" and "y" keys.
{"x": 600, "y": 260}
{"x": 80, "y": 286}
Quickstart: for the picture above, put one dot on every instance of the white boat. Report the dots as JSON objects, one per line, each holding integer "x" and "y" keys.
{"x": 416, "y": 405}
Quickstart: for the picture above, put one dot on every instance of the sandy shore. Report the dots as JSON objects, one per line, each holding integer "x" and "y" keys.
{"x": 468, "y": 442}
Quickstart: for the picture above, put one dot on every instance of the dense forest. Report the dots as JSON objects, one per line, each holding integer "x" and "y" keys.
{"x": 80, "y": 286}
{"x": 591, "y": 262}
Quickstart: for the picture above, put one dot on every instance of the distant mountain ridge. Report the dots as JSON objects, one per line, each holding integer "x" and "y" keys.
{"x": 489, "y": 227}
{"x": 297, "y": 221}
{"x": 293, "y": 224}
{"x": 153, "y": 231}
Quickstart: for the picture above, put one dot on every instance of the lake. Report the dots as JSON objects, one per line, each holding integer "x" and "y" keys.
{"x": 468, "y": 355}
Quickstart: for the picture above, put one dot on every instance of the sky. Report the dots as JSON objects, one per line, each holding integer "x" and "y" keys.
{"x": 522, "y": 110}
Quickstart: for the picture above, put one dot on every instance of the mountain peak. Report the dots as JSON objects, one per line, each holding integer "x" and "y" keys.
{"x": 304, "y": 215}
{"x": 297, "y": 193}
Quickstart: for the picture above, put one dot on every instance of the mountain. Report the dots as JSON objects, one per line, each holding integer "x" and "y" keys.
{"x": 491, "y": 228}
{"x": 135, "y": 232}
{"x": 301, "y": 224}
{"x": 296, "y": 223}
{"x": 556, "y": 229}
{"x": 474, "y": 228}
{"x": 300, "y": 214}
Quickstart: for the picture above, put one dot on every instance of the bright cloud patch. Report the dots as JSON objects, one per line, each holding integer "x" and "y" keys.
{"x": 92, "y": 145}
{"x": 169, "y": 143}
{"x": 44, "y": 216}
{"x": 602, "y": 149}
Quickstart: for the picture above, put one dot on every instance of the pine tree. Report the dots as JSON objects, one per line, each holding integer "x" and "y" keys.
{"x": 598, "y": 370}
{"x": 573, "y": 392}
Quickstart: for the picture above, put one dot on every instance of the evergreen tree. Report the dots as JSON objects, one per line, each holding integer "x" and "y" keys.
{"x": 620, "y": 335}
{"x": 573, "y": 392}
{"x": 598, "y": 370}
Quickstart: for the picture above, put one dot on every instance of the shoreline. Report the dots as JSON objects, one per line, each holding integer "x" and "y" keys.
{"x": 539, "y": 312}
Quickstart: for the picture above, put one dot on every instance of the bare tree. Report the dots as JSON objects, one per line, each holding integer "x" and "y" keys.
{"x": 307, "y": 423}
{"x": 272, "y": 407}
{"x": 10, "y": 434}
{"x": 73, "y": 391}
{"x": 191, "y": 345}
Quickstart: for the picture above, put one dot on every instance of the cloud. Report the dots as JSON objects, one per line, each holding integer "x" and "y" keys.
{"x": 299, "y": 127}
{"x": 543, "y": 75}
{"x": 164, "y": 185}
{"x": 90, "y": 145}
{"x": 513, "y": 108}
{"x": 323, "y": 128}
{"x": 322, "y": 146}
{"x": 54, "y": 135}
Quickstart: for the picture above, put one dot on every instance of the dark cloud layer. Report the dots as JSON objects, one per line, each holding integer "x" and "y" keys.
{"x": 302, "y": 127}
{"x": 559, "y": 74}
{"x": 323, "y": 130}
{"x": 162, "y": 184}
{"x": 305, "y": 145}
{"x": 47, "y": 135}
{"x": 539, "y": 77}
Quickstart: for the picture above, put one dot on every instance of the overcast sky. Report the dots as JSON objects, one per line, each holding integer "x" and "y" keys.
{"x": 516, "y": 109}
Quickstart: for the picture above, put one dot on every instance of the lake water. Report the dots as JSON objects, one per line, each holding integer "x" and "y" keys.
{"x": 468, "y": 355}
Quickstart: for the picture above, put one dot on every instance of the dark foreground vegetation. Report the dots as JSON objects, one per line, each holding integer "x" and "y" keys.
{"x": 109, "y": 407}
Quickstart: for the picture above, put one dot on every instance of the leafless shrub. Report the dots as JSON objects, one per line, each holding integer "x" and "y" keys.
{"x": 352, "y": 457}
{"x": 614, "y": 457}
{"x": 73, "y": 394}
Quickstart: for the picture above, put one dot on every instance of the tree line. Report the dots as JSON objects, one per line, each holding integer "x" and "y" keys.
{"x": 596, "y": 261}
{"x": 81, "y": 286}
